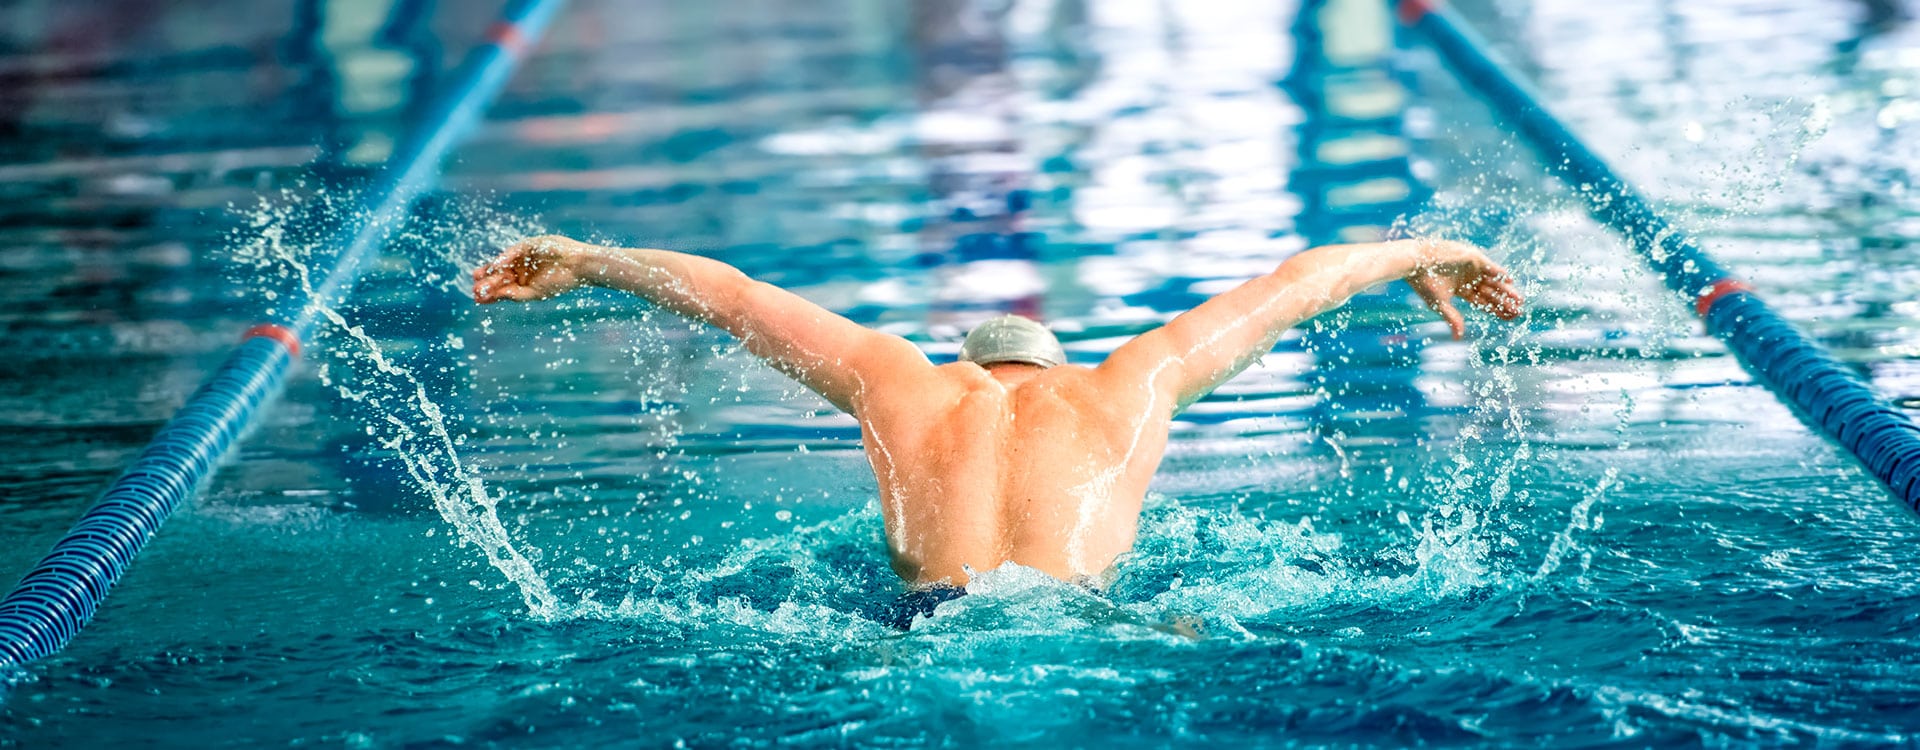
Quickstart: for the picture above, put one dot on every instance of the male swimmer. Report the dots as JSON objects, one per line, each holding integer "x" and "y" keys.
{"x": 1010, "y": 454}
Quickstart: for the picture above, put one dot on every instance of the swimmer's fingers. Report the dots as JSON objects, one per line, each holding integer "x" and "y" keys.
{"x": 511, "y": 280}
{"x": 1513, "y": 301}
{"x": 532, "y": 270}
{"x": 487, "y": 292}
{"x": 1437, "y": 292}
{"x": 509, "y": 275}
{"x": 513, "y": 259}
{"x": 482, "y": 286}
{"x": 517, "y": 294}
{"x": 1455, "y": 321}
{"x": 487, "y": 280}
{"x": 1496, "y": 296}
{"x": 527, "y": 256}
{"x": 495, "y": 285}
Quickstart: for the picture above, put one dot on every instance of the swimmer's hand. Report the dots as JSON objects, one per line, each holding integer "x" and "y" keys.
{"x": 534, "y": 269}
{"x": 1450, "y": 269}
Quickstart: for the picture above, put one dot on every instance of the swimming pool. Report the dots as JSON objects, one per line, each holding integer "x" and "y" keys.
{"x": 1590, "y": 529}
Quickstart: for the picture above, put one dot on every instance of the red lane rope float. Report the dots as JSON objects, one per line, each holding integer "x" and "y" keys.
{"x": 1411, "y": 11}
{"x": 1717, "y": 290}
{"x": 276, "y": 332}
{"x": 507, "y": 35}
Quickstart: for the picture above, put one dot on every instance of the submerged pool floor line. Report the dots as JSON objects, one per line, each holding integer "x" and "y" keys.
{"x": 60, "y": 594}
{"x": 1824, "y": 391}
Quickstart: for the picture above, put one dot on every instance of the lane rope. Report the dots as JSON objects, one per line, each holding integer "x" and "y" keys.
{"x": 60, "y": 595}
{"x": 1826, "y": 393}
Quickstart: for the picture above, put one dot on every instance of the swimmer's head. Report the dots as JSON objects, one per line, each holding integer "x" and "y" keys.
{"x": 1011, "y": 338}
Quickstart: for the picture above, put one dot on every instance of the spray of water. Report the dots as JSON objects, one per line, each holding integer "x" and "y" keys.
{"x": 1453, "y": 542}
{"x": 412, "y": 426}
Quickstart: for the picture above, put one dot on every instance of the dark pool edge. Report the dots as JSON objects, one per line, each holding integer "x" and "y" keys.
{"x": 1823, "y": 391}
{"x": 57, "y": 598}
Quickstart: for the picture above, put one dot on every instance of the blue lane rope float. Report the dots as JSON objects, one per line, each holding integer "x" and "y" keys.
{"x": 60, "y": 595}
{"x": 1825, "y": 392}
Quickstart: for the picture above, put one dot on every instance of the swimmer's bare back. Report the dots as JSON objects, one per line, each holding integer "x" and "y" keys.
{"x": 977, "y": 466}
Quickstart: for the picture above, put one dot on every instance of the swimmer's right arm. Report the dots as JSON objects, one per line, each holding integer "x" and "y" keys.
{"x": 822, "y": 350}
{"x": 1204, "y": 347}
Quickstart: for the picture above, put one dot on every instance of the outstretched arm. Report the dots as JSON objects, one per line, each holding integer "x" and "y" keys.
{"x": 1203, "y": 347}
{"x": 824, "y": 351}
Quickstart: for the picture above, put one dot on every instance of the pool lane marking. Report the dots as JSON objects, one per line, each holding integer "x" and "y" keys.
{"x": 1716, "y": 291}
{"x": 62, "y": 593}
{"x": 1827, "y": 394}
{"x": 277, "y": 332}
{"x": 506, "y": 35}
{"x": 1411, "y": 11}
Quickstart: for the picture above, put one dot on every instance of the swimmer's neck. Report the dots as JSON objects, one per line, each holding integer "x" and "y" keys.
{"x": 1012, "y": 374}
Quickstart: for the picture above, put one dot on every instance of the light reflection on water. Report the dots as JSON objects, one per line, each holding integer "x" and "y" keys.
{"x": 1359, "y": 525}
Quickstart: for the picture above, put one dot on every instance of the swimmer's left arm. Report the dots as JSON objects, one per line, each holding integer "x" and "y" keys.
{"x": 1204, "y": 347}
{"x": 824, "y": 351}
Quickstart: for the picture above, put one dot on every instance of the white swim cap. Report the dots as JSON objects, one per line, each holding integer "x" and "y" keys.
{"x": 1011, "y": 338}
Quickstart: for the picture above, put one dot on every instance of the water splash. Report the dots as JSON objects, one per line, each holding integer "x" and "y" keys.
{"x": 412, "y": 426}
{"x": 1196, "y": 571}
{"x": 1444, "y": 553}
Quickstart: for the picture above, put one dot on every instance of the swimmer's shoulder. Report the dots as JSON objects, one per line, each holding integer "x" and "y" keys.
{"x": 1082, "y": 389}
{"x": 1098, "y": 394}
{"x": 908, "y": 394}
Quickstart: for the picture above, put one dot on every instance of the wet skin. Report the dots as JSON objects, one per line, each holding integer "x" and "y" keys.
{"x": 979, "y": 466}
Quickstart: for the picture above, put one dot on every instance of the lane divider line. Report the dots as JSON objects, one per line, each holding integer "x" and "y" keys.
{"x": 1826, "y": 393}
{"x": 61, "y": 594}
{"x": 276, "y": 332}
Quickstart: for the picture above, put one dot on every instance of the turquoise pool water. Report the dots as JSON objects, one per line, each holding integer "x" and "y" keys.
{"x": 1590, "y": 528}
